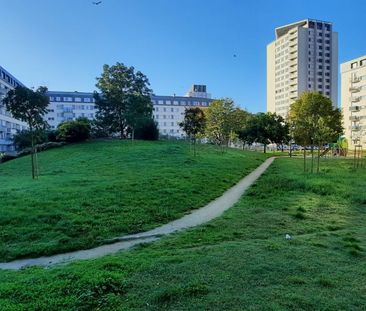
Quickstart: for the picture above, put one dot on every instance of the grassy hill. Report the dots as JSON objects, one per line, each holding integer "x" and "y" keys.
{"x": 239, "y": 261}
{"x": 89, "y": 192}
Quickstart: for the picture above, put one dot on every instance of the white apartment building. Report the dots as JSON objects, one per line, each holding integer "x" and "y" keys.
{"x": 353, "y": 100}
{"x": 66, "y": 106}
{"x": 168, "y": 111}
{"x": 8, "y": 125}
{"x": 303, "y": 57}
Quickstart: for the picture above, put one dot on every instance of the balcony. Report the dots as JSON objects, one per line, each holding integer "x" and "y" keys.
{"x": 355, "y": 79}
{"x": 355, "y": 108}
{"x": 354, "y": 118}
{"x": 356, "y": 128}
{"x": 293, "y": 76}
{"x": 355, "y": 99}
{"x": 292, "y": 63}
{"x": 354, "y": 89}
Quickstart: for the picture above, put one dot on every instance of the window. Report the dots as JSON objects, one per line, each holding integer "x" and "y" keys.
{"x": 327, "y": 41}
{"x": 58, "y": 99}
{"x": 363, "y": 62}
{"x": 320, "y": 80}
{"x": 354, "y": 65}
{"x": 52, "y": 98}
{"x": 172, "y": 109}
{"x": 320, "y": 67}
{"x": 167, "y": 102}
{"x": 86, "y": 100}
{"x": 164, "y": 109}
{"x": 68, "y": 99}
{"x": 319, "y": 40}
{"x": 77, "y": 99}
{"x": 320, "y": 54}
{"x": 319, "y": 26}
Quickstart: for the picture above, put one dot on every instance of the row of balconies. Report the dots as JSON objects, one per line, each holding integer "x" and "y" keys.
{"x": 355, "y": 79}
{"x": 355, "y": 108}
{"x": 355, "y": 99}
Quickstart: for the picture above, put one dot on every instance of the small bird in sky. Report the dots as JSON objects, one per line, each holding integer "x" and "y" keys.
{"x": 234, "y": 55}
{"x": 97, "y": 3}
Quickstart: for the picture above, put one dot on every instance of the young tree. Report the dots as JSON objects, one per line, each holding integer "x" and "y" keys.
{"x": 280, "y": 130}
{"x": 29, "y": 106}
{"x": 193, "y": 124}
{"x": 218, "y": 124}
{"x": 124, "y": 99}
{"x": 314, "y": 120}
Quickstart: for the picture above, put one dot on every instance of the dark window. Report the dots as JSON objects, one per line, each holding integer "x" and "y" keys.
{"x": 320, "y": 80}
{"x": 327, "y": 54}
{"x": 319, "y": 73}
{"x": 327, "y": 35}
{"x": 327, "y": 41}
{"x": 327, "y": 27}
{"x": 327, "y": 80}
{"x": 309, "y": 86}
{"x": 327, "y": 48}
{"x": 327, "y": 87}
{"x": 320, "y": 53}
{"x": 320, "y": 67}
{"x": 327, "y": 61}
{"x": 327, "y": 93}
{"x": 320, "y": 47}
{"x": 311, "y": 24}
{"x": 327, "y": 74}
{"x": 319, "y": 40}
{"x": 319, "y": 25}
{"x": 309, "y": 52}
{"x": 319, "y": 60}
{"x": 309, "y": 59}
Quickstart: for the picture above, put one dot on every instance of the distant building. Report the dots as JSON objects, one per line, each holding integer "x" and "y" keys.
{"x": 168, "y": 111}
{"x": 65, "y": 106}
{"x": 353, "y": 100}
{"x": 303, "y": 57}
{"x": 8, "y": 124}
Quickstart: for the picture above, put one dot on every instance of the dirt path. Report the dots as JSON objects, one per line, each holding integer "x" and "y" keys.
{"x": 197, "y": 217}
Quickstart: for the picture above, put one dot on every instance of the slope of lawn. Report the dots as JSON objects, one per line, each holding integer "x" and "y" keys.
{"x": 239, "y": 261}
{"x": 89, "y": 192}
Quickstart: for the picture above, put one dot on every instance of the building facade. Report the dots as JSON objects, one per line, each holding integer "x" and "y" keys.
{"x": 353, "y": 100}
{"x": 303, "y": 57}
{"x": 168, "y": 111}
{"x": 8, "y": 125}
{"x": 65, "y": 106}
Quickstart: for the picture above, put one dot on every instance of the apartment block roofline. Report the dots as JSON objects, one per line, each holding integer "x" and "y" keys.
{"x": 281, "y": 31}
{"x": 12, "y": 76}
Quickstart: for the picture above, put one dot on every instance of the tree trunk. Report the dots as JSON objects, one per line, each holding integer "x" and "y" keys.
{"x": 312, "y": 158}
{"x": 318, "y": 167}
{"x": 264, "y": 148}
{"x": 194, "y": 146}
{"x": 304, "y": 159}
{"x": 32, "y": 153}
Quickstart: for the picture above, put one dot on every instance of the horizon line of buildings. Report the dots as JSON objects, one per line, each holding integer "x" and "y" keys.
{"x": 303, "y": 57}
{"x": 168, "y": 111}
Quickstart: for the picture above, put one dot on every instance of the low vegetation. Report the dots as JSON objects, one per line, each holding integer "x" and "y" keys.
{"x": 240, "y": 261}
{"x": 94, "y": 191}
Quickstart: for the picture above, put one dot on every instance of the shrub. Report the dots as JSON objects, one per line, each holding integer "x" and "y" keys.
{"x": 148, "y": 130}
{"x": 74, "y": 131}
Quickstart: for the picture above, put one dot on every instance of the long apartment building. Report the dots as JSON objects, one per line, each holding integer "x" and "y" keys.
{"x": 168, "y": 111}
{"x": 353, "y": 100}
{"x": 303, "y": 57}
{"x": 8, "y": 125}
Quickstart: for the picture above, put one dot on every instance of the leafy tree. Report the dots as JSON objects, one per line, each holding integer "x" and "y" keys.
{"x": 280, "y": 130}
{"x": 193, "y": 124}
{"x": 314, "y": 120}
{"x": 218, "y": 124}
{"x": 239, "y": 119}
{"x": 124, "y": 99}
{"x": 29, "y": 106}
{"x": 74, "y": 131}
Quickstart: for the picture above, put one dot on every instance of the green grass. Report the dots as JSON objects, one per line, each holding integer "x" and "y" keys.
{"x": 90, "y": 192}
{"x": 239, "y": 261}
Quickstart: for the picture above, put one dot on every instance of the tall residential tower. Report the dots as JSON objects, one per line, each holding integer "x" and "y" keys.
{"x": 304, "y": 57}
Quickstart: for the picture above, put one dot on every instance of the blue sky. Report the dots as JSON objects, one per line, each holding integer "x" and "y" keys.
{"x": 64, "y": 44}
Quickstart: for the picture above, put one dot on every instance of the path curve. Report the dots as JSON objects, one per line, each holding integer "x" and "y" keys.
{"x": 197, "y": 217}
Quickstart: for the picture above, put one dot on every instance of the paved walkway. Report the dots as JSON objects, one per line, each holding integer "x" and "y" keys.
{"x": 197, "y": 217}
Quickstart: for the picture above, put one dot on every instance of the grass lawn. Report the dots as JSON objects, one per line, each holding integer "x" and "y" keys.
{"x": 89, "y": 192}
{"x": 239, "y": 261}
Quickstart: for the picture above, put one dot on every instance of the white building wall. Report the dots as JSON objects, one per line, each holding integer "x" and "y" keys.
{"x": 353, "y": 100}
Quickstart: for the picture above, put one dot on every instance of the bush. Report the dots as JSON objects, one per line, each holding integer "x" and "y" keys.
{"x": 148, "y": 130}
{"x": 74, "y": 131}
{"x": 22, "y": 139}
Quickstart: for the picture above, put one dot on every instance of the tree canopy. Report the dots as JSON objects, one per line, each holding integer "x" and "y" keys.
{"x": 29, "y": 106}
{"x": 124, "y": 99}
